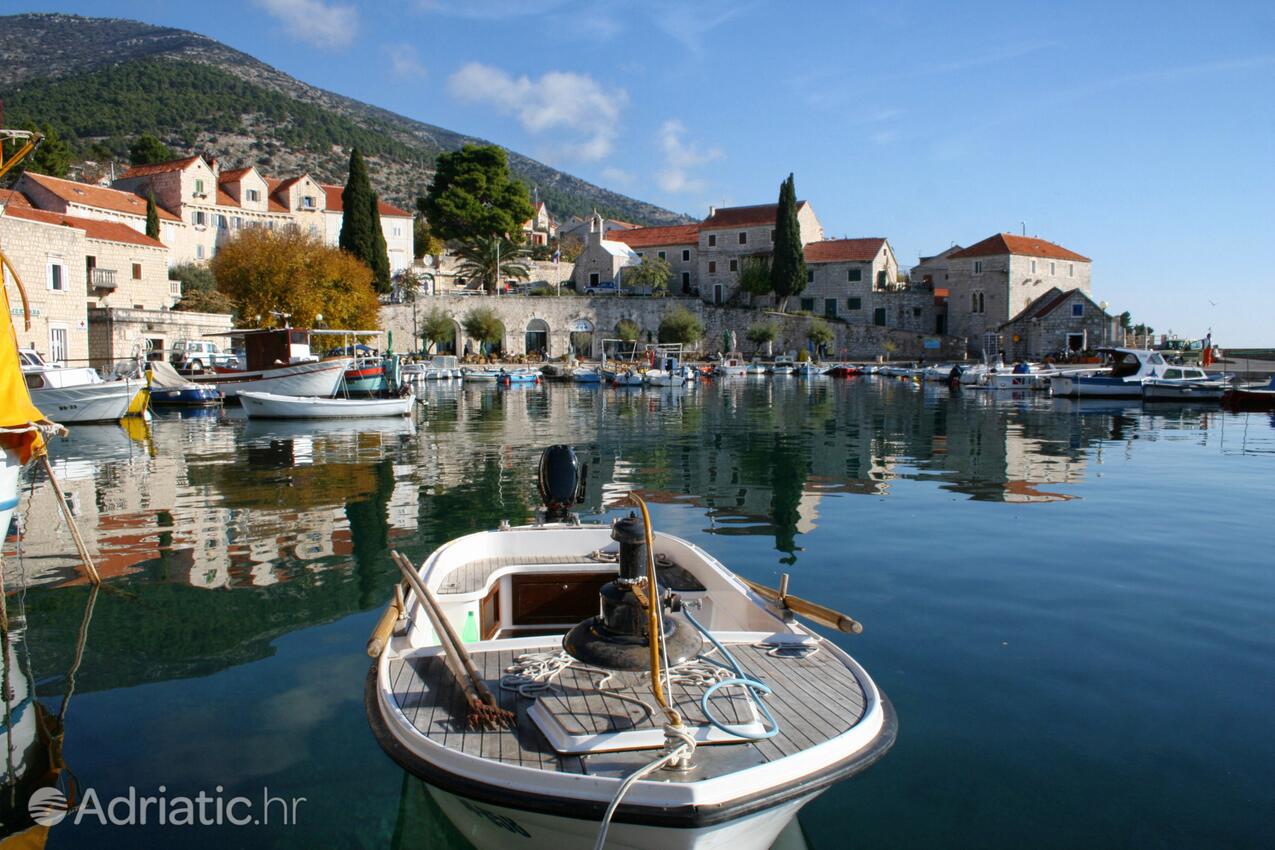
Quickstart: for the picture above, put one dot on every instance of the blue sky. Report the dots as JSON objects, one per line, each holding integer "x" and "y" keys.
{"x": 1141, "y": 136}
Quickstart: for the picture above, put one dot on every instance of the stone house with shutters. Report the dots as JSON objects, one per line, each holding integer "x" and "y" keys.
{"x": 730, "y": 235}
{"x": 677, "y": 245}
{"x": 1062, "y": 321}
{"x": 848, "y": 279}
{"x": 994, "y": 280}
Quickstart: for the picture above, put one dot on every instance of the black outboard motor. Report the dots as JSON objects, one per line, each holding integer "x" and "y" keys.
{"x": 559, "y": 482}
{"x": 618, "y": 638}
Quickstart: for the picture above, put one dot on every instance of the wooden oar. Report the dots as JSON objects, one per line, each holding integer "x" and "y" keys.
{"x": 385, "y": 626}
{"x": 820, "y": 614}
{"x": 484, "y": 710}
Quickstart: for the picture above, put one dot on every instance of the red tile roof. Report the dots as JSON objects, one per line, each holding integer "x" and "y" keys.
{"x": 233, "y": 175}
{"x": 107, "y": 231}
{"x": 334, "y": 202}
{"x": 844, "y": 250}
{"x": 13, "y": 198}
{"x": 645, "y": 237}
{"x": 753, "y": 216}
{"x": 96, "y": 196}
{"x": 159, "y": 168}
{"x": 1048, "y": 303}
{"x": 1027, "y": 246}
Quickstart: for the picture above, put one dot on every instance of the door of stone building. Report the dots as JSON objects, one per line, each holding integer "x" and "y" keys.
{"x": 1076, "y": 341}
{"x": 717, "y": 294}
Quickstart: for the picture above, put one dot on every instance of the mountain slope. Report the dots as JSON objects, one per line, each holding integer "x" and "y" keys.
{"x": 105, "y": 80}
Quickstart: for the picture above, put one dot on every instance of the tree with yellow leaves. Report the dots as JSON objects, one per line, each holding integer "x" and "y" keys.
{"x": 289, "y": 271}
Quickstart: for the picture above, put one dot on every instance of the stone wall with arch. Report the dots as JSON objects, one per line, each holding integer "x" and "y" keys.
{"x": 604, "y": 313}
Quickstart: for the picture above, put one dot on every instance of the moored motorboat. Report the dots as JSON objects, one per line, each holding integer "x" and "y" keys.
{"x": 76, "y": 394}
{"x": 627, "y": 378}
{"x": 1251, "y": 397}
{"x": 1123, "y": 378}
{"x": 168, "y": 388}
{"x": 756, "y": 368}
{"x": 808, "y": 369}
{"x": 782, "y": 365}
{"x": 518, "y": 376}
{"x": 480, "y": 376}
{"x": 730, "y": 367}
{"x": 848, "y": 371}
{"x": 1185, "y": 383}
{"x": 586, "y": 375}
{"x": 270, "y": 406}
{"x": 693, "y": 712}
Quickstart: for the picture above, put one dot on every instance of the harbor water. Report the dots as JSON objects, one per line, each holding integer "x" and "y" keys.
{"x": 1071, "y": 604}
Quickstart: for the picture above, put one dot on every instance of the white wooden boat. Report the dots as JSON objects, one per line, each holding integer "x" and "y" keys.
{"x": 441, "y": 368}
{"x": 669, "y": 378}
{"x": 10, "y": 469}
{"x": 271, "y": 406}
{"x": 320, "y": 378}
{"x": 756, "y": 368}
{"x": 585, "y": 375}
{"x": 1123, "y": 378}
{"x": 545, "y": 726}
{"x": 1006, "y": 379}
{"x": 480, "y": 376}
{"x": 783, "y": 365}
{"x": 808, "y": 369}
{"x": 730, "y": 367}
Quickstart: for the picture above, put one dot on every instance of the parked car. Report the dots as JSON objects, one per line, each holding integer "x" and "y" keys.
{"x": 200, "y": 354}
{"x": 605, "y": 287}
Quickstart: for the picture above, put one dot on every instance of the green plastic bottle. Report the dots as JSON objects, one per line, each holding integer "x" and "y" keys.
{"x": 469, "y": 634}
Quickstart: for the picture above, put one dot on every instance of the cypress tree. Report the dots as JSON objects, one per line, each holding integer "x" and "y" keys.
{"x": 152, "y": 216}
{"x": 788, "y": 268}
{"x": 380, "y": 259}
{"x": 357, "y": 204}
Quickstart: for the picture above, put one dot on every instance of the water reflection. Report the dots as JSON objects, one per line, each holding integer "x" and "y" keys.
{"x": 217, "y": 501}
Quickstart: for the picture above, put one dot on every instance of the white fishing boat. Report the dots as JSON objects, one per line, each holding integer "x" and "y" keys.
{"x": 670, "y": 378}
{"x": 585, "y": 375}
{"x": 279, "y": 362}
{"x": 755, "y": 369}
{"x": 1123, "y": 378}
{"x": 695, "y": 711}
{"x": 627, "y": 379}
{"x": 782, "y": 365}
{"x": 76, "y": 394}
{"x": 1185, "y": 383}
{"x": 731, "y": 367}
{"x": 480, "y": 376}
{"x": 1033, "y": 378}
{"x": 808, "y": 369}
{"x": 270, "y": 406}
{"x": 442, "y": 367}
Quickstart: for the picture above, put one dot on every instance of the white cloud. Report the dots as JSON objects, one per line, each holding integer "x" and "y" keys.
{"x": 315, "y": 22}
{"x": 405, "y": 61}
{"x": 557, "y": 101}
{"x": 680, "y": 156}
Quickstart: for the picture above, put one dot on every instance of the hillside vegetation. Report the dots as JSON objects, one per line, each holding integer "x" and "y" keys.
{"x": 99, "y": 81}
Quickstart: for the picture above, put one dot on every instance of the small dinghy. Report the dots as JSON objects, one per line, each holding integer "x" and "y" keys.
{"x": 270, "y": 406}
{"x": 694, "y": 711}
{"x": 627, "y": 379}
{"x": 1251, "y": 397}
{"x": 169, "y": 388}
{"x": 584, "y": 375}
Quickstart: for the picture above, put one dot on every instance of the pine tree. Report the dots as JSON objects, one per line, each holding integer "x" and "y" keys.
{"x": 357, "y": 204}
{"x": 788, "y": 268}
{"x": 152, "y": 216}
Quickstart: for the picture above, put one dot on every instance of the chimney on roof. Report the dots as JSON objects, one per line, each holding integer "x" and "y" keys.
{"x": 712, "y": 210}
{"x": 215, "y": 166}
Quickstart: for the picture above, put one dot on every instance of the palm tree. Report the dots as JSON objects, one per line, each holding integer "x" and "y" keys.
{"x": 493, "y": 258}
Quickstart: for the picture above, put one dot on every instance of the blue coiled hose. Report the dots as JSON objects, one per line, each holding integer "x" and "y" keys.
{"x": 751, "y": 685}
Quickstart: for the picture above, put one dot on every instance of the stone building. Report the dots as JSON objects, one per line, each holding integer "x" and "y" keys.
{"x": 932, "y": 271}
{"x": 678, "y": 245}
{"x": 540, "y": 229}
{"x": 847, "y": 279}
{"x": 99, "y": 203}
{"x": 1060, "y": 322}
{"x": 995, "y": 279}
{"x": 732, "y": 234}
{"x": 601, "y": 259}
{"x": 577, "y": 229}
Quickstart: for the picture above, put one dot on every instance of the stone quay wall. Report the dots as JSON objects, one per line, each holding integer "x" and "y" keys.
{"x": 561, "y": 317}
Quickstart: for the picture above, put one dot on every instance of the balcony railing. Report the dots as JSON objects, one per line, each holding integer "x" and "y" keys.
{"x": 102, "y": 278}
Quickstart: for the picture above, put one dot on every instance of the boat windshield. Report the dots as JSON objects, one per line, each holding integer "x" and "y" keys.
{"x": 1125, "y": 365}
